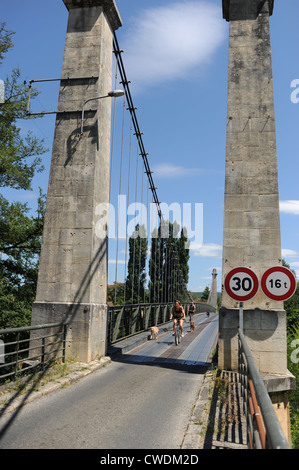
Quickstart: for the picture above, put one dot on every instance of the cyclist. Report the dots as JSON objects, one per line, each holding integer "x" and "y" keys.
{"x": 191, "y": 311}
{"x": 178, "y": 313}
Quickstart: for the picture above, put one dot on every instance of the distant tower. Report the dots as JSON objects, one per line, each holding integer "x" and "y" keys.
{"x": 72, "y": 281}
{"x": 212, "y": 300}
{"x": 251, "y": 235}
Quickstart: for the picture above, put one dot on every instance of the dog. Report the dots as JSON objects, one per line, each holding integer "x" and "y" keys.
{"x": 192, "y": 326}
{"x": 154, "y": 332}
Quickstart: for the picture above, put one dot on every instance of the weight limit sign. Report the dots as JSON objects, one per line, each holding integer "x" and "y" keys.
{"x": 278, "y": 283}
{"x": 241, "y": 284}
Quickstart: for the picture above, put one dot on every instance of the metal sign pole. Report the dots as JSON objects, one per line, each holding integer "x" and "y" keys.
{"x": 241, "y": 316}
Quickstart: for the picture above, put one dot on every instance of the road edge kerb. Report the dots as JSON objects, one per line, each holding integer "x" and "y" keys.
{"x": 83, "y": 370}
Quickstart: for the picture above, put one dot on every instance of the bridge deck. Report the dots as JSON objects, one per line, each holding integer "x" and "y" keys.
{"x": 194, "y": 350}
{"x": 130, "y": 404}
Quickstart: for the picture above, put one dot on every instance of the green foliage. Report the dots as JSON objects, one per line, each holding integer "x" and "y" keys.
{"x": 5, "y": 40}
{"x": 20, "y": 232}
{"x": 291, "y": 307}
{"x": 20, "y": 243}
{"x": 164, "y": 284}
{"x": 205, "y": 294}
{"x": 135, "y": 282}
{"x": 115, "y": 293}
{"x": 293, "y": 366}
{"x": 19, "y": 157}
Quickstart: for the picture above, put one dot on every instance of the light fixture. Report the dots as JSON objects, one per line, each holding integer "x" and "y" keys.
{"x": 116, "y": 93}
{"x": 111, "y": 94}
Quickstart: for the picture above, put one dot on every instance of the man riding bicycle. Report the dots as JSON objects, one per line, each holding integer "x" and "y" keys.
{"x": 178, "y": 313}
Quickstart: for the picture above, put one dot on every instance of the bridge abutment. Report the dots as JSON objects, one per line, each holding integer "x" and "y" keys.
{"x": 72, "y": 280}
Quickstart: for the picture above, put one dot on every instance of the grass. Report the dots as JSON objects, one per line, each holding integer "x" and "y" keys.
{"x": 22, "y": 384}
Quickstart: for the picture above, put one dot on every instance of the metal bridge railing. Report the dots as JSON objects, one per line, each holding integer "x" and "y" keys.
{"x": 264, "y": 429}
{"x": 32, "y": 347}
{"x": 127, "y": 320}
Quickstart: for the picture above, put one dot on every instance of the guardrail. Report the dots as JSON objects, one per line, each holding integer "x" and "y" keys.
{"x": 32, "y": 347}
{"x": 264, "y": 430}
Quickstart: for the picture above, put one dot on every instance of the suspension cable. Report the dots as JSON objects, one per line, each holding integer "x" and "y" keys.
{"x": 144, "y": 154}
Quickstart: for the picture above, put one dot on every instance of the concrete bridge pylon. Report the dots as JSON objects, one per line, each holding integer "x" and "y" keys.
{"x": 212, "y": 300}
{"x": 72, "y": 280}
{"x": 251, "y": 232}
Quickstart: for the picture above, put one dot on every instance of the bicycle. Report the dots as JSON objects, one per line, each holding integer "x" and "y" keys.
{"x": 177, "y": 333}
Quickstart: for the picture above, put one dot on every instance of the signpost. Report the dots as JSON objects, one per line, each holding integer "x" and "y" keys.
{"x": 278, "y": 283}
{"x": 241, "y": 284}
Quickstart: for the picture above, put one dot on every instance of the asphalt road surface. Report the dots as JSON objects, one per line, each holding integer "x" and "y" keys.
{"x": 142, "y": 400}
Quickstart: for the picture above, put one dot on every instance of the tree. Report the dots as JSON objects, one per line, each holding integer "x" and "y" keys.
{"x": 183, "y": 256}
{"x": 291, "y": 305}
{"x": 205, "y": 294}
{"x": 135, "y": 282}
{"x": 168, "y": 264}
{"x": 20, "y": 232}
{"x": 115, "y": 293}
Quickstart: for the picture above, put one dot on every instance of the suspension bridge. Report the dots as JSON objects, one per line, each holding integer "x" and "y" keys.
{"x": 86, "y": 219}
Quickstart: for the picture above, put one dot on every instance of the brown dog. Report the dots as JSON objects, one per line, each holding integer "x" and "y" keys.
{"x": 192, "y": 326}
{"x": 154, "y": 332}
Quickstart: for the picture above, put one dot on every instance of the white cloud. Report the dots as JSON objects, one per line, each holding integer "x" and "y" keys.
{"x": 169, "y": 42}
{"x": 28, "y": 195}
{"x": 286, "y": 253}
{"x": 289, "y": 207}
{"x": 208, "y": 250}
{"x": 119, "y": 261}
{"x": 167, "y": 170}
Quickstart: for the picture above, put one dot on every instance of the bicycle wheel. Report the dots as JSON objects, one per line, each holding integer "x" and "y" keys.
{"x": 177, "y": 336}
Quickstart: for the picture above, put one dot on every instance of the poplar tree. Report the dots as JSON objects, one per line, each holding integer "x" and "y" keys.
{"x": 135, "y": 282}
{"x": 165, "y": 284}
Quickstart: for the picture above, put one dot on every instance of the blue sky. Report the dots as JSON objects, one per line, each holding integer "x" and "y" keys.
{"x": 176, "y": 56}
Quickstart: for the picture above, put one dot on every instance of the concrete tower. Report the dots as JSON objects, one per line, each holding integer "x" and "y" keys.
{"x": 251, "y": 235}
{"x": 212, "y": 300}
{"x": 72, "y": 279}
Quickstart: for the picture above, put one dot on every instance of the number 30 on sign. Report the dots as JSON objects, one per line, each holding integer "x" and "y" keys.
{"x": 241, "y": 284}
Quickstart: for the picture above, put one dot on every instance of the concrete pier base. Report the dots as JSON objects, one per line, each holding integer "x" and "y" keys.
{"x": 86, "y": 331}
{"x": 265, "y": 335}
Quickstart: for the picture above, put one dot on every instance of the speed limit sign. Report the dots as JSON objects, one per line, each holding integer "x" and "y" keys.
{"x": 241, "y": 284}
{"x": 278, "y": 283}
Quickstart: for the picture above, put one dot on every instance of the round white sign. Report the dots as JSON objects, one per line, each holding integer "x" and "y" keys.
{"x": 278, "y": 283}
{"x": 241, "y": 284}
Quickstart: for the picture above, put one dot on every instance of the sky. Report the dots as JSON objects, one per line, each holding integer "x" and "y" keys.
{"x": 176, "y": 58}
